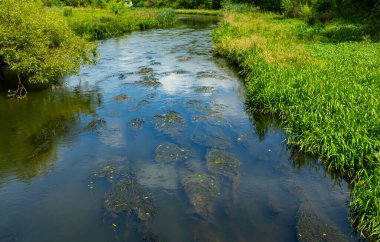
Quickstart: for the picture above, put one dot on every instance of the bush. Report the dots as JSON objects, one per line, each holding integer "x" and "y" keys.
{"x": 67, "y": 11}
{"x": 51, "y": 3}
{"x": 116, "y": 6}
{"x": 166, "y": 16}
{"x": 306, "y": 12}
{"x": 291, "y": 8}
{"x": 38, "y": 43}
{"x": 100, "y": 23}
{"x": 236, "y": 7}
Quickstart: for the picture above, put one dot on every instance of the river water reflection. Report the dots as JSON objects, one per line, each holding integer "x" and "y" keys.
{"x": 154, "y": 144}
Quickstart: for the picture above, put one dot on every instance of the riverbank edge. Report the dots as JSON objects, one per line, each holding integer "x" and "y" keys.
{"x": 199, "y": 12}
{"x": 98, "y": 24}
{"x": 246, "y": 48}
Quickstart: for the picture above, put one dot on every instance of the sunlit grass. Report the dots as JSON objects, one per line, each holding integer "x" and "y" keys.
{"x": 94, "y": 23}
{"x": 198, "y": 11}
{"x": 326, "y": 89}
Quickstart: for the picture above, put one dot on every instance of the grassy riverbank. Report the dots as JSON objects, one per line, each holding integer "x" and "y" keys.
{"x": 325, "y": 88}
{"x": 94, "y": 23}
{"x": 199, "y": 11}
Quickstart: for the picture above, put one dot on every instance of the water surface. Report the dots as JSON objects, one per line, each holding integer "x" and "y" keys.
{"x": 158, "y": 112}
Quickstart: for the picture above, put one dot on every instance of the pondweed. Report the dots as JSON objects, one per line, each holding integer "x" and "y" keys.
{"x": 327, "y": 92}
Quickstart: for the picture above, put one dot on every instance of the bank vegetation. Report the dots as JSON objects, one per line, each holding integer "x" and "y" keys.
{"x": 323, "y": 81}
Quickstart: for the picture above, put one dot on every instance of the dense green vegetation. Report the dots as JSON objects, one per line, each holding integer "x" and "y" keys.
{"x": 321, "y": 8}
{"x": 323, "y": 86}
{"x": 192, "y": 4}
{"x": 199, "y": 11}
{"x": 38, "y": 43}
{"x": 42, "y": 44}
{"x": 101, "y": 23}
{"x": 199, "y": 4}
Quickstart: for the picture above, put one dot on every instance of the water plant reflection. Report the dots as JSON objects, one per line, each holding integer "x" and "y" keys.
{"x": 34, "y": 127}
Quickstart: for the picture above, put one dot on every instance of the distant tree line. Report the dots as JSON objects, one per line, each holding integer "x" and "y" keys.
{"x": 306, "y": 9}
{"x": 191, "y": 4}
{"x": 323, "y": 9}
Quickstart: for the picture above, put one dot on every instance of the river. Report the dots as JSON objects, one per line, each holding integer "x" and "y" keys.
{"x": 154, "y": 143}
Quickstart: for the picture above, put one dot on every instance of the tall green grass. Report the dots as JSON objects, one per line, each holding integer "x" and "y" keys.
{"x": 324, "y": 88}
{"x": 101, "y": 23}
{"x": 199, "y": 12}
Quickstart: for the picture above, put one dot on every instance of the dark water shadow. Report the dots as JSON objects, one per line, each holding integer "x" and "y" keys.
{"x": 197, "y": 22}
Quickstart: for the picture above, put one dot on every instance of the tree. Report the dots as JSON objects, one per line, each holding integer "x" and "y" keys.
{"x": 38, "y": 44}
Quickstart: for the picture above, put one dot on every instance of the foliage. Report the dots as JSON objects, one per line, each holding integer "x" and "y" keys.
{"x": 321, "y": 10}
{"x": 116, "y": 6}
{"x": 271, "y": 5}
{"x": 51, "y": 3}
{"x": 324, "y": 89}
{"x": 83, "y": 3}
{"x": 365, "y": 206}
{"x": 100, "y": 23}
{"x": 291, "y": 8}
{"x": 306, "y": 12}
{"x": 166, "y": 16}
{"x": 189, "y": 4}
{"x": 198, "y": 11}
{"x": 236, "y": 7}
{"x": 38, "y": 43}
{"x": 67, "y": 11}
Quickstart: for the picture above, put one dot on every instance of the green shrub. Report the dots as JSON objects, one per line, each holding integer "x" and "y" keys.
{"x": 166, "y": 16}
{"x": 229, "y": 6}
{"x": 51, "y": 3}
{"x": 306, "y": 12}
{"x": 67, "y": 11}
{"x": 100, "y": 23}
{"x": 291, "y": 8}
{"x": 116, "y": 6}
{"x": 38, "y": 43}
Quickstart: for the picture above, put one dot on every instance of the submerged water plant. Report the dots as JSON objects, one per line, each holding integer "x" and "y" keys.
{"x": 312, "y": 227}
{"x": 170, "y": 123}
{"x": 202, "y": 190}
{"x": 128, "y": 196}
{"x": 168, "y": 153}
{"x": 222, "y": 163}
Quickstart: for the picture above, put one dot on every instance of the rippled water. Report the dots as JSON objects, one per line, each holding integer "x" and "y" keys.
{"x": 154, "y": 144}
